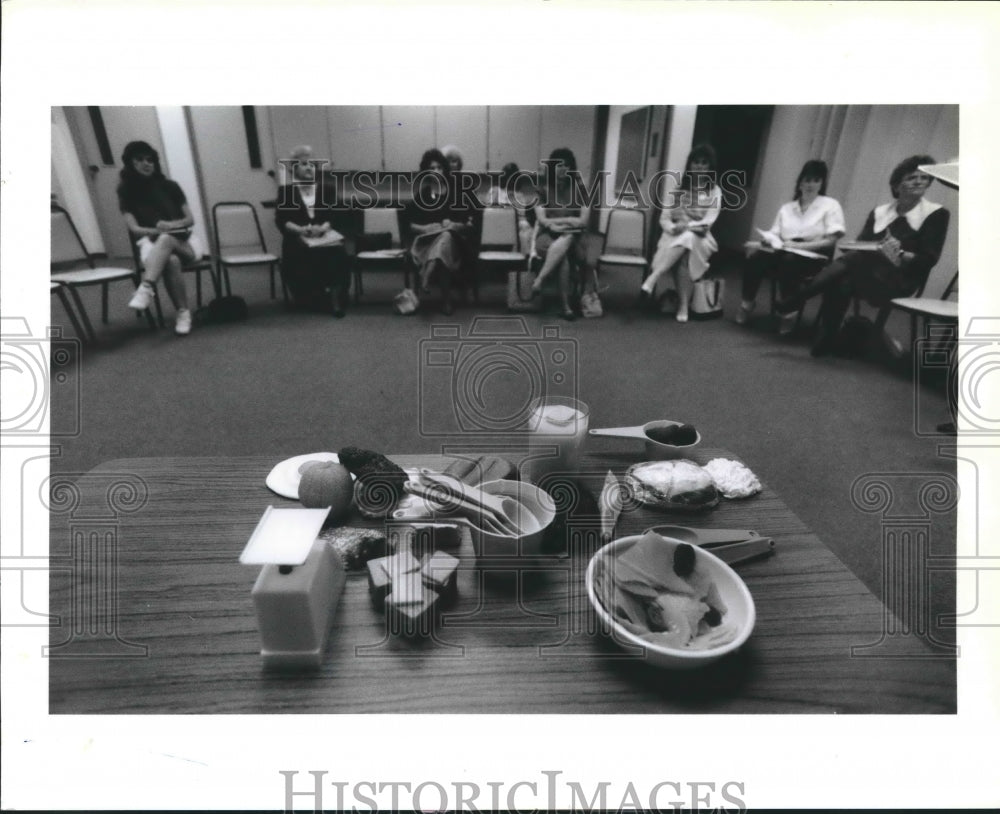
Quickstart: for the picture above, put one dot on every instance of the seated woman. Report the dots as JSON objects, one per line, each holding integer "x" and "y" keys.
{"x": 159, "y": 221}
{"x": 561, "y": 228}
{"x": 811, "y": 222}
{"x": 686, "y": 230}
{"x": 908, "y": 234}
{"x": 441, "y": 233}
{"x": 316, "y": 275}
{"x": 454, "y": 157}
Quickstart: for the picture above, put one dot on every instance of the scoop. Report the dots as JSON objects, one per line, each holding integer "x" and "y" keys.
{"x": 509, "y": 515}
{"x": 655, "y": 450}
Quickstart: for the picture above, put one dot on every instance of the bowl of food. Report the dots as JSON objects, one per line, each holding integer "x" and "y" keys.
{"x": 535, "y": 513}
{"x": 682, "y": 604}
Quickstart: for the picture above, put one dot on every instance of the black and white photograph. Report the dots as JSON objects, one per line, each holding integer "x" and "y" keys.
{"x": 413, "y": 424}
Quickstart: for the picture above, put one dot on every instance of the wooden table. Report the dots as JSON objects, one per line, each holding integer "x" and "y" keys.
{"x": 162, "y": 620}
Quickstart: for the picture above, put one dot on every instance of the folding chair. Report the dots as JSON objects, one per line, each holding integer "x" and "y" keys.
{"x": 625, "y": 240}
{"x": 944, "y": 309}
{"x": 381, "y": 220}
{"x": 68, "y": 249}
{"x": 500, "y": 243}
{"x": 240, "y": 242}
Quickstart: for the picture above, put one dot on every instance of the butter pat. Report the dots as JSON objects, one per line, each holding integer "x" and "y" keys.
{"x": 295, "y": 609}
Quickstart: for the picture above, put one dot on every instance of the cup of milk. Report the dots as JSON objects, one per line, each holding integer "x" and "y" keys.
{"x": 556, "y": 427}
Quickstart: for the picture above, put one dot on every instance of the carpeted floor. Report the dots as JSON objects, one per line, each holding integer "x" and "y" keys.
{"x": 283, "y": 384}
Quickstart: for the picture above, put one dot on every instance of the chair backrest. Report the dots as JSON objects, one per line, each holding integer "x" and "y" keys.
{"x": 626, "y": 231}
{"x": 383, "y": 219}
{"x": 236, "y": 225}
{"x": 67, "y": 245}
{"x": 499, "y": 227}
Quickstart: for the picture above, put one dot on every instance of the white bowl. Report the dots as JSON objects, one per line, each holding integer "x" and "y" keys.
{"x": 732, "y": 590}
{"x": 535, "y": 500}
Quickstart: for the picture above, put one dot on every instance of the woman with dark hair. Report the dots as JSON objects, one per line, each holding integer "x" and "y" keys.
{"x": 313, "y": 261}
{"x": 441, "y": 231}
{"x": 561, "y": 227}
{"x": 159, "y": 221}
{"x": 687, "y": 239}
{"x": 905, "y": 240}
{"x": 801, "y": 242}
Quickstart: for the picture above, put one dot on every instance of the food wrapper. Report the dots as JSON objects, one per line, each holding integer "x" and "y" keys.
{"x": 611, "y": 505}
{"x": 733, "y": 479}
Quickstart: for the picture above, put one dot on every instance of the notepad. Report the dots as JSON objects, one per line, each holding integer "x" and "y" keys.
{"x": 331, "y": 238}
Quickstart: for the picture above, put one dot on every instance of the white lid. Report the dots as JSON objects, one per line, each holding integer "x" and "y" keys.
{"x": 284, "y": 536}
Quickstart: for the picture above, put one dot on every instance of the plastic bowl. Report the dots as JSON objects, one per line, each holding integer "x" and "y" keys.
{"x": 535, "y": 500}
{"x": 732, "y": 589}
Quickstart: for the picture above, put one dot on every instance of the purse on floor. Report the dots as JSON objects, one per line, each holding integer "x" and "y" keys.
{"x": 519, "y": 299}
{"x": 406, "y": 302}
{"x": 706, "y": 298}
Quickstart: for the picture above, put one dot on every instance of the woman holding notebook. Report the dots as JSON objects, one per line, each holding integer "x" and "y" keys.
{"x": 799, "y": 243}
{"x": 313, "y": 261}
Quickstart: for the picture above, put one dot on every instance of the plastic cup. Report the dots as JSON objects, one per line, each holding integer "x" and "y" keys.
{"x": 555, "y": 430}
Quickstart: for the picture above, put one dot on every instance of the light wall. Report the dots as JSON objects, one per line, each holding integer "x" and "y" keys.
{"x": 676, "y": 141}
{"x": 393, "y": 137}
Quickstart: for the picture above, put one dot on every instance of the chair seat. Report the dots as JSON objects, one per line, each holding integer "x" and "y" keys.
{"x": 502, "y": 257}
{"x": 381, "y": 254}
{"x": 623, "y": 259}
{"x": 925, "y": 306}
{"x": 248, "y": 259}
{"x": 89, "y": 276}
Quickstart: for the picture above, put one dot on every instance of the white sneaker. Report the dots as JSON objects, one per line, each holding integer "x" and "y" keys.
{"x": 183, "y": 324}
{"x": 143, "y": 297}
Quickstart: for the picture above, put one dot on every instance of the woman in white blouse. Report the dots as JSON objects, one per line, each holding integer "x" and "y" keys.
{"x": 686, "y": 230}
{"x": 811, "y": 222}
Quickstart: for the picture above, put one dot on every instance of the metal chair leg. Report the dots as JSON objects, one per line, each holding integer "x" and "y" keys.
{"x": 88, "y": 328}
{"x": 71, "y": 313}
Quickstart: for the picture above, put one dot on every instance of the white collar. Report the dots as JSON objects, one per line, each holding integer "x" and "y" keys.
{"x": 886, "y": 214}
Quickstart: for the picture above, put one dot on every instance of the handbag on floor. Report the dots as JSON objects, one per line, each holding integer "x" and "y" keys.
{"x": 406, "y": 302}
{"x": 590, "y": 305}
{"x": 222, "y": 310}
{"x": 519, "y": 299}
{"x": 706, "y": 298}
